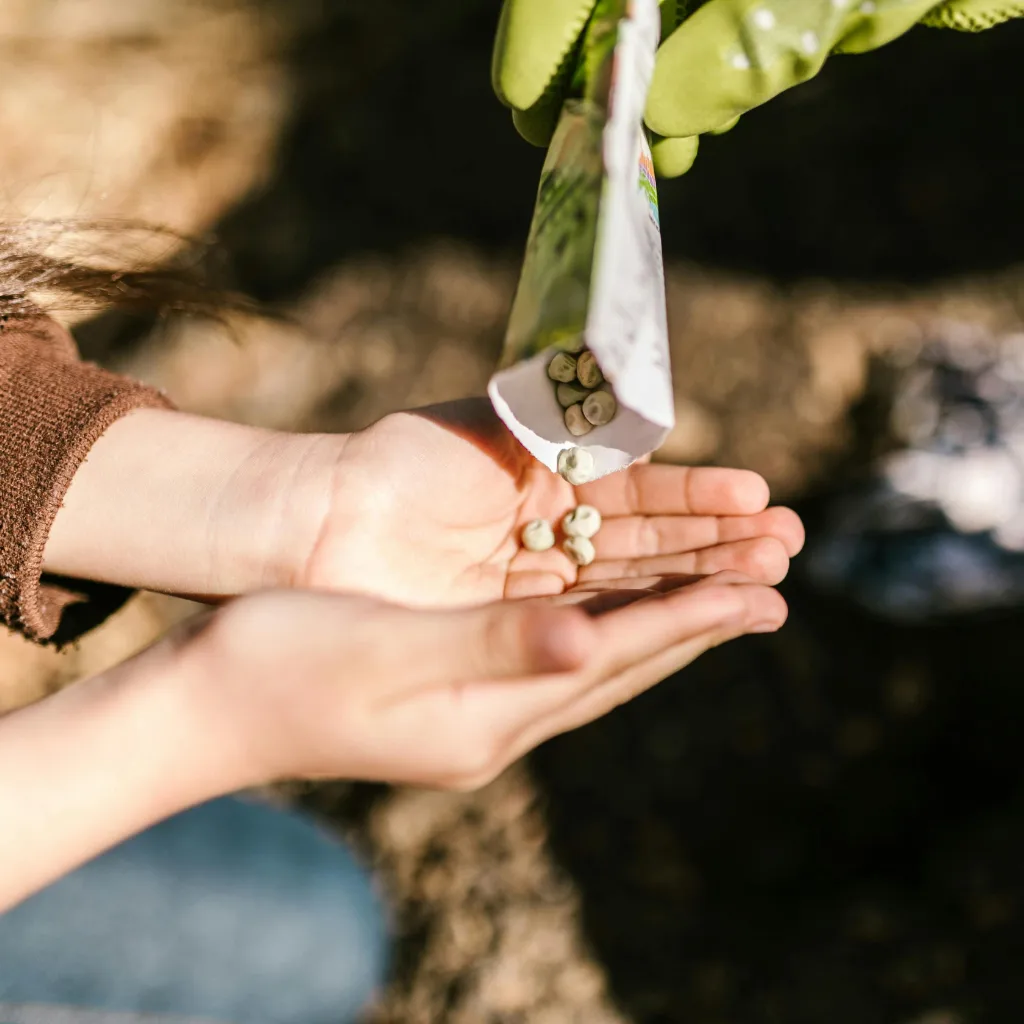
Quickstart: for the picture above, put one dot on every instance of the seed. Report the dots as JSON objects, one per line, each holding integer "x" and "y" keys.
{"x": 570, "y": 394}
{"x": 577, "y": 423}
{"x": 576, "y": 466}
{"x": 562, "y": 367}
{"x": 582, "y": 521}
{"x": 600, "y": 407}
{"x": 579, "y": 549}
{"x": 576, "y": 346}
{"x": 538, "y": 535}
{"x": 588, "y": 373}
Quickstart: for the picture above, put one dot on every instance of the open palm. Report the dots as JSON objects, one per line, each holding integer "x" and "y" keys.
{"x": 427, "y": 508}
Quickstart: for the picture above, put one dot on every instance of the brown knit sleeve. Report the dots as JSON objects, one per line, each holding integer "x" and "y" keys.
{"x": 53, "y": 409}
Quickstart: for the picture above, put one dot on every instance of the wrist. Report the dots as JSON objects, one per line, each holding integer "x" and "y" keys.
{"x": 200, "y": 507}
{"x": 198, "y": 695}
{"x": 228, "y": 678}
{"x": 284, "y": 490}
{"x": 160, "y": 699}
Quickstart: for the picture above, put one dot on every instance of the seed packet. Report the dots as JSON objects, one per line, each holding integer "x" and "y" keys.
{"x": 593, "y": 277}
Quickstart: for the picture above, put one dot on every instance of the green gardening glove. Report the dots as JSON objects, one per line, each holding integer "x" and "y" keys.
{"x": 717, "y": 60}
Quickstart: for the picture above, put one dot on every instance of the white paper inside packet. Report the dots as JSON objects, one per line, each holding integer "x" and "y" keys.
{"x": 593, "y": 275}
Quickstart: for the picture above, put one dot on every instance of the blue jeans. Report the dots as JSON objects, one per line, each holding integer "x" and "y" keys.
{"x": 231, "y": 912}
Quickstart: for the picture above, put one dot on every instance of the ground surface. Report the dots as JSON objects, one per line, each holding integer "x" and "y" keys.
{"x": 824, "y": 825}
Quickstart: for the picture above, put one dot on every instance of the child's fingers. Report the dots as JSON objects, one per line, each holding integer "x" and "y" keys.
{"x": 632, "y": 649}
{"x": 763, "y": 559}
{"x": 648, "y": 536}
{"x": 588, "y": 704}
{"x": 642, "y": 631}
{"x": 627, "y": 637}
{"x": 640, "y": 677}
{"x": 662, "y": 490}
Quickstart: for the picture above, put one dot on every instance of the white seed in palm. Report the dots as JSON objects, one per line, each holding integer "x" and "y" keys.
{"x": 538, "y": 535}
{"x": 579, "y": 549}
{"x": 562, "y": 367}
{"x": 576, "y": 466}
{"x": 576, "y": 422}
{"x": 588, "y": 373}
{"x": 600, "y": 407}
{"x": 582, "y": 521}
{"x": 570, "y": 394}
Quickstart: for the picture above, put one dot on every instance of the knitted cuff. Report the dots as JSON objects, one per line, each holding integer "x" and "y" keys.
{"x": 53, "y": 409}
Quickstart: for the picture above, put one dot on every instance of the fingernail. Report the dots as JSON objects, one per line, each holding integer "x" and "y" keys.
{"x": 766, "y": 626}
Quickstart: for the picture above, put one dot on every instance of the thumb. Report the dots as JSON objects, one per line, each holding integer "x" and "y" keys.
{"x": 534, "y": 39}
{"x": 498, "y": 641}
{"x": 537, "y": 124}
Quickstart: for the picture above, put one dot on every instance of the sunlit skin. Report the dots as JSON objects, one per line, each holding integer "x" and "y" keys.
{"x": 427, "y": 508}
{"x": 423, "y": 510}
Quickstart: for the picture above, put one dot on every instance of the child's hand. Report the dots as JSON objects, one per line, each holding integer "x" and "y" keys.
{"x": 288, "y": 684}
{"x": 422, "y": 508}
{"x": 427, "y": 508}
{"x": 300, "y": 684}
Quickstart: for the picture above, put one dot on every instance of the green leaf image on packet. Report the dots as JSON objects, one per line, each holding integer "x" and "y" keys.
{"x": 593, "y": 275}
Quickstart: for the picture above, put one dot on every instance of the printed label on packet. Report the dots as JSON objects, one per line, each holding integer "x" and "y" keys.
{"x": 593, "y": 275}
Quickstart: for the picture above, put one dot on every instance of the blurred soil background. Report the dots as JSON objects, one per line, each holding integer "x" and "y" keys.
{"x": 823, "y": 825}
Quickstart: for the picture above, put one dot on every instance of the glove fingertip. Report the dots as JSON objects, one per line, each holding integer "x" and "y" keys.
{"x": 533, "y": 41}
{"x": 674, "y": 156}
{"x": 536, "y": 124}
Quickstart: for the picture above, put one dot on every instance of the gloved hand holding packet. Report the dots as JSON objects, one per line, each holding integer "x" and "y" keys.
{"x": 584, "y": 381}
{"x": 718, "y": 59}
